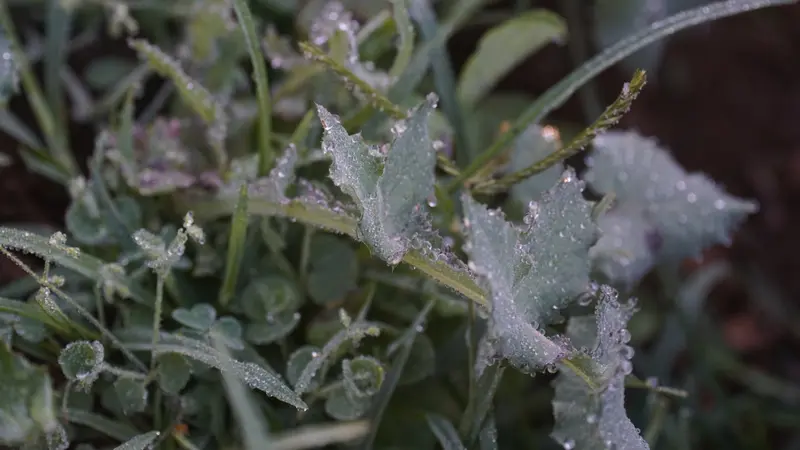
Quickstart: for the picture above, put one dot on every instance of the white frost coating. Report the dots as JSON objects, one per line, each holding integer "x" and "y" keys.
{"x": 590, "y": 419}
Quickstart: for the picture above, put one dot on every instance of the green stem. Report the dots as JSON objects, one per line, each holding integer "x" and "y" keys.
{"x": 157, "y": 317}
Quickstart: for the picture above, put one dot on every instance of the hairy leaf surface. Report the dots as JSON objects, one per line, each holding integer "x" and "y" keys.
{"x": 532, "y": 273}
{"x": 389, "y": 191}
{"x": 595, "y": 419}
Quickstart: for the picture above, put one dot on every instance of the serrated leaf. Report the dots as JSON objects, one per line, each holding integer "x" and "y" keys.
{"x": 82, "y": 361}
{"x": 390, "y": 192}
{"x": 533, "y": 145}
{"x": 140, "y": 442}
{"x": 333, "y": 269}
{"x": 200, "y": 317}
{"x": 173, "y": 372}
{"x": 26, "y": 399}
{"x": 132, "y": 395}
{"x": 532, "y": 273}
{"x": 504, "y": 47}
{"x": 689, "y": 212}
{"x": 595, "y": 419}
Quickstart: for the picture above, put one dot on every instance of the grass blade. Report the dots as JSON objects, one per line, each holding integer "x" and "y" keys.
{"x": 561, "y": 91}
{"x": 265, "y": 155}
{"x": 609, "y": 118}
{"x": 405, "y": 30}
{"x": 236, "y": 242}
{"x": 58, "y": 26}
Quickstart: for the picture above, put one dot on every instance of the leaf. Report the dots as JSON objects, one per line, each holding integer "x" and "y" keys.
{"x": 26, "y": 399}
{"x": 265, "y": 298}
{"x": 229, "y": 331}
{"x": 173, "y": 372}
{"x": 82, "y": 361}
{"x": 104, "y": 73}
{"x": 333, "y": 269}
{"x": 505, "y": 46}
{"x": 362, "y": 377}
{"x": 532, "y": 273}
{"x": 140, "y": 442}
{"x": 389, "y": 192}
{"x": 421, "y": 361}
{"x": 266, "y": 333}
{"x": 298, "y": 361}
{"x": 686, "y": 212}
{"x": 626, "y": 250}
{"x": 595, "y": 419}
{"x": 252, "y": 374}
{"x": 445, "y": 432}
{"x": 200, "y": 317}
{"x": 341, "y": 406}
{"x": 132, "y": 395}
{"x": 9, "y": 75}
{"x": 533, "y": 145}
{"x": 195, "y": 95}
{"x": 237, "y": 238}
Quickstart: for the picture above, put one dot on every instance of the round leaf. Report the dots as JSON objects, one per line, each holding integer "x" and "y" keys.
{"x": 173, "y": 372}
{"x": 363, "y": 377}
{"x": 200, "y": 317}
{"x": 298, "y": 361}
{"x": 230, "y": 331}
{"x": 421, "y": 361}
{"x": 132, "y": 395}
{"x": 265, "y": 298}
{"x": 266, "y": 333}
{"x": 82, "y": 361}
{"x": 334, "y": 269}
{"x": 341, "y": 406}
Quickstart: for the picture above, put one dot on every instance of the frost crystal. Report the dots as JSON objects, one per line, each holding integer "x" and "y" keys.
{"x": 595, "y": 419}
{"x": 390, "y": 192}
{"x": 661, "y": 209}
{"x": 532, "y": 273}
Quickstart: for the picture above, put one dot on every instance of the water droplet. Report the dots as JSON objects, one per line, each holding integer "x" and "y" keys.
{"x": 569, "y": 444}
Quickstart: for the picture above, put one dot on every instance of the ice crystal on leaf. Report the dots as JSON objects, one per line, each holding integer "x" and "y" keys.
{"x": 534, "y": 272}
{"x": 595, "y": 419}
{"x": 389, "y": 191}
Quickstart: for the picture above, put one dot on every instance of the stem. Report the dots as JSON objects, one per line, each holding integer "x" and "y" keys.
{"x": 157, "y": 317}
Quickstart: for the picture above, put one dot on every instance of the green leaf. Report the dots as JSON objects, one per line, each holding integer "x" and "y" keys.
{"x": 341, "y": 406}
{"x": 265, "y": 298}
{"x": 595, "y": 419}
{"x": 273, "y": 330}
{"x": 82, "y": 361}
{"x": 104, "y": 73}
{"x": 140, "y": 442}
{"x": 9, "y": 75}
{"x": 686, "y": 212}
{"x": 298, "y": 361}
{"x": 237, "y": 239}
{"x": 173, "y": 372}
{"x": 333, "y": 270}
{"x": 131, "y": 394}
{"x": 363, "y": 377}
{"x": 193, "y": 93}
{"x": 252, "y": 374}
{"x": 26, "y": 399}
{"x": 421, "y": 361}
{"x": 616, "y": 19}
{"x": 626, "y": 250}
{"x": 390, "y": 191}
{"x": 532, "y": 273}
{"x": 200, "y": 317}
{"x": 229, "y": 331}
{"x": 505, "y": 46}
{"x": 445, "y": 432}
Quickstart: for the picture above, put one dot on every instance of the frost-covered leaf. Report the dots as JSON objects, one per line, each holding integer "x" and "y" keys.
{"x": 132, "y": 395}
{"x": 595, "y": 419}
{"x": 534, "y": 272}
{"x": 82, "y": 361}
{"x": 389, "y": 191}
{"x": 26, "y": 400}
{"x": 505, "y": 46}
{"x": 626, "y": 249}
{"x": 363, "y": 377}
{"x": 255, "y": 376}
{"x": 173, "y": 372}
{"x": 333, "y": 270}
{"x": 298, "y": 361}
{"x": 140, "y": 442}
{"x": 686, "y": 212}
{"x": 531, "y": 146}
{"x": 200, "y": 317}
